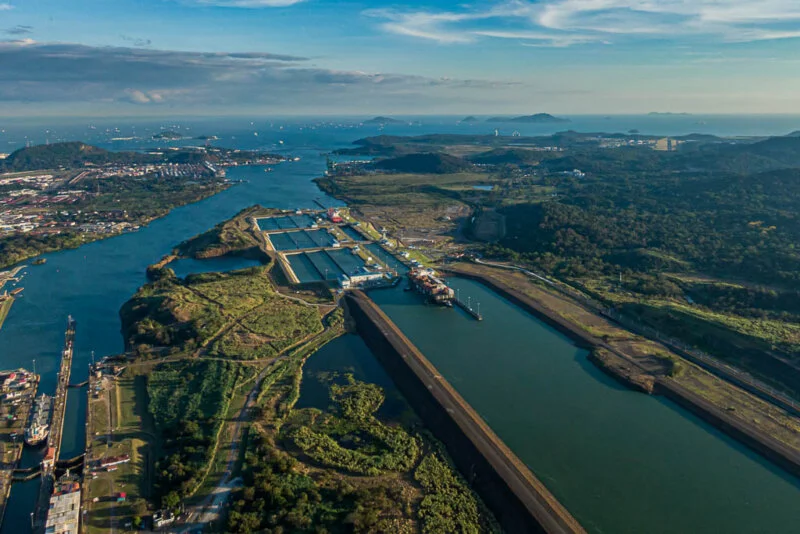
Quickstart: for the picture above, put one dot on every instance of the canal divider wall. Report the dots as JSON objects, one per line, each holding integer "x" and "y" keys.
{"x": 519, "y": 501}
{"x": 628, "y": 373}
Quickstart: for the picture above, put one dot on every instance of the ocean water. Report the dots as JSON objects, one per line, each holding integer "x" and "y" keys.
{"x": 323, "y": 133}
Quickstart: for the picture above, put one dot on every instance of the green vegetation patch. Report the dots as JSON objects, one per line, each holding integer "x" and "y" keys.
{"x": 299, "y": 467}
{"x": 448, "y": 505}
{"x": 227, "y": 238}
{"x": 188, "y": 403}
{"x": 351, "y": 438}
{"x": 237, "y": 314}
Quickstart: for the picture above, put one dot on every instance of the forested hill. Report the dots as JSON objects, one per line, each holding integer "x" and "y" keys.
{"x": 424, "y": 163}
{"x": 739, "y": 226}
{"x": 71, "y": 154}
{"x": 76, "y": 154}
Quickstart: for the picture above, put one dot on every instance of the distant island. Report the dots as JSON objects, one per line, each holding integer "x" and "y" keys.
{"x": 538, "y": 118}
{"x": 206, "y": 137}
{"x": 471, "y": 118}
{"x": 383, "y": 120}
{"x": 167, "y": 134}
{"x": 666, "y": 114}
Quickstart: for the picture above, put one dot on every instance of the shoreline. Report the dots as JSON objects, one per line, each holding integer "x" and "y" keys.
{"x": 91, "y": 238}
{"x": 633, "y": 376}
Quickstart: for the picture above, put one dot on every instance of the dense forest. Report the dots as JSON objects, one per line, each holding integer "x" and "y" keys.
{"x": 71, "y": 154}
{"x": 424, "y": 163}
{"x": 741, "y": 226}
{"x": 75, "y": 154}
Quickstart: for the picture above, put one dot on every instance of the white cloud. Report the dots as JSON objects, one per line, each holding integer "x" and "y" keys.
{"x": 6, "y": 7}
{"x": 65, "y": 73}
{"x": 425, "y": 25}
{"x": 571, "y": 22}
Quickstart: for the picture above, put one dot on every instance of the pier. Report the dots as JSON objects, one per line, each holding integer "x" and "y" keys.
{"x": 11, "y": 438}
{"x": 56, "y": 427}
{"x": 467, "y": 307}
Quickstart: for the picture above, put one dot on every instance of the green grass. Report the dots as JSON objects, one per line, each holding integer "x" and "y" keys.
{"x": 237, "y": 314}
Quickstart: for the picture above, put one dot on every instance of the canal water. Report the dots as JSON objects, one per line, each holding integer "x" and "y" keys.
{"x": 349, "y": 354}
{"x": 620, "y": 461}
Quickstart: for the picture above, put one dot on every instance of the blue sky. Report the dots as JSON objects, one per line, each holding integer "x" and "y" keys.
{"x": 406, "y": 57}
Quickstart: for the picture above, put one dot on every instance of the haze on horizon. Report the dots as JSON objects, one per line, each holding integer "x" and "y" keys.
{"x": 213, "y": 57}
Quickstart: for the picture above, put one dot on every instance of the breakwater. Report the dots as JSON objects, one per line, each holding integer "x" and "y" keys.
{"x": 520, "y": 502}
{"x": 628, "y": 373}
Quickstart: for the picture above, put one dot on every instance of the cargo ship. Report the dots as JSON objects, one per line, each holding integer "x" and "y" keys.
{"x": 63, "y": 513}
{"x": 427, "y": 282}
{"x": 39, "y": 427}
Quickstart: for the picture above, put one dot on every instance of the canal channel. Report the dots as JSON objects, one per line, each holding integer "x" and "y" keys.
{"x": 620, "y": 461}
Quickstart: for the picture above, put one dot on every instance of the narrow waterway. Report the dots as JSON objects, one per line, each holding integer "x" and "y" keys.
{"x": 91, "y": 284}
{"x": 620, "y": 461}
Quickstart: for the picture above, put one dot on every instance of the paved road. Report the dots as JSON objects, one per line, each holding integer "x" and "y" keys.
{"x": 209, "y": 510}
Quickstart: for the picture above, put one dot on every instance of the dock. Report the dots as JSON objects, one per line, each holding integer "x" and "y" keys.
{"x": 11, "y": 438}
{"x": 56, "y": 430}
{"x": 467, "y": 307}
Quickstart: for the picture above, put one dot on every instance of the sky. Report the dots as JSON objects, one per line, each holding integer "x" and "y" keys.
{"x": 405, "y": 57}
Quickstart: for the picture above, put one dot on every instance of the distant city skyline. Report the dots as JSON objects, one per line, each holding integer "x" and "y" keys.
{"x": 302, "y": 57}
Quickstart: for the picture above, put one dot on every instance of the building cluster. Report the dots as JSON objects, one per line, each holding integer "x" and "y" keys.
{"x": 30, "y": 195}
{"x": 56, "y": 222}
{"x": 34, "y": 181}
{"x": 663, "y": 144}
{"x": 15, "y": 383}
{"x": 158, "y": 170}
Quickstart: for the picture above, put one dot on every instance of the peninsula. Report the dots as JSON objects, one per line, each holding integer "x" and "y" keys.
{"x": 66, "y": 194}
{"x": 214, "y": 375}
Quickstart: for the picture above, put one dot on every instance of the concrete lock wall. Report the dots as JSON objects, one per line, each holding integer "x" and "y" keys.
{"x": 519, "y": 501}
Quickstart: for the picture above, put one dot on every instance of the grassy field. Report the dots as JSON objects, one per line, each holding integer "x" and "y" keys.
{"x": 408, "y": 202}
{"x": 236, "y": 315}
{"x": 230, "y": 237}
{"x": 123, "y": 404}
